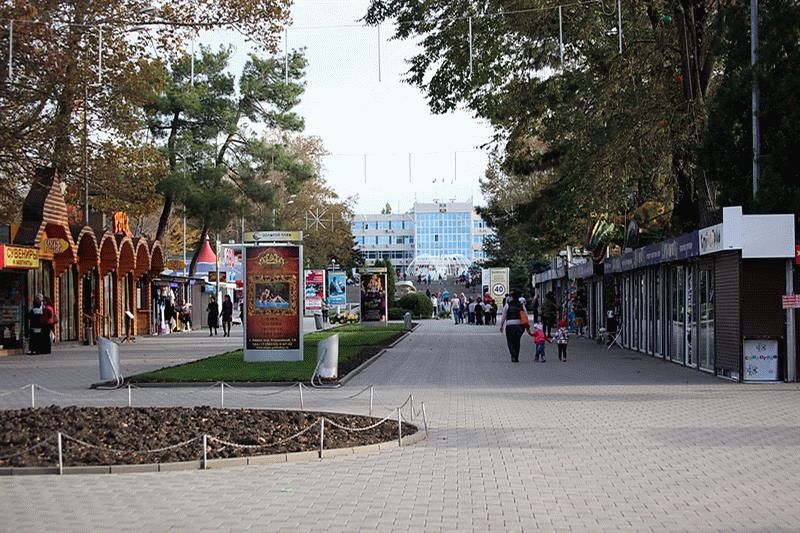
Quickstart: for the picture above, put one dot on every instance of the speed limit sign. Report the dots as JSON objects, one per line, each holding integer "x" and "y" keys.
{"x": 498, "y": 289}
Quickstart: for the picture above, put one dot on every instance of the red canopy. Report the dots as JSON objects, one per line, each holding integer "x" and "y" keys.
{"x": 206, "y": 254}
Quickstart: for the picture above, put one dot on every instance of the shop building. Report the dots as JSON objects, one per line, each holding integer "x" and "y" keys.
{"x": 99, "y": 280}
{"x": 709, "y": 299}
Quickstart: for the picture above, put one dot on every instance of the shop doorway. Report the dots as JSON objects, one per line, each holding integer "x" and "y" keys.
{"x": 110, "y": 305}
{"x": 706, "y": 318}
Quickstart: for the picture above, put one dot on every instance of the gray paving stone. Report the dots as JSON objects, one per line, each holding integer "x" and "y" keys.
{"x": 610, "y": 441}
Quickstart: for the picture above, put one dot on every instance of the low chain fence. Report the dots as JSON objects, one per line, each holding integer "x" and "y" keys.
{"x": 405, "y": 412}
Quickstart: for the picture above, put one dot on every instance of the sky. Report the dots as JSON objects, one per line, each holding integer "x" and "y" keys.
{"x": 355, "y": 113}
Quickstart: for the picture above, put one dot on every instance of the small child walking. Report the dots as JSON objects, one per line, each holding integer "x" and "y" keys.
{"x": 562, "y": 339}
{"x": 539, "y": 339}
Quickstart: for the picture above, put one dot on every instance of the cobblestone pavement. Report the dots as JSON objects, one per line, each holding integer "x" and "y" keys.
{"x": 610, "y": 440}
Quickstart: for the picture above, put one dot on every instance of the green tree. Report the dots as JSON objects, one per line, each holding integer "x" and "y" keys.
{"x": 57, "y": 79}
{"x": 217, "y": 165}
{"x": 727, "y": 152}
{"x": 599, "y": 135}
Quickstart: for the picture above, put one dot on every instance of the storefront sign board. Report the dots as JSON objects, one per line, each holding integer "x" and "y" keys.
{"x": 710, "y": 239}
{"x": 18, "y": 257}
{"x": 273, "y": 236}
{"x": 761, "y": 360}
{"x": 273, "y": 316}
{"x": 797, "y": 254}
{"x": 314, "y": 290}
{"x": 373, "y": 295}
{"x": 337, "y": 287}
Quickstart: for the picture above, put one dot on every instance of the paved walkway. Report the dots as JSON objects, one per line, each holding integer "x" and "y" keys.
{"x": 609, "y": 441}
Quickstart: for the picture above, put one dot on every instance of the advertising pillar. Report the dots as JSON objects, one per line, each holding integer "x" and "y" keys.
{"x": 373, "y": 295}
{"x": 337, "y": 288}
{"x": 314, "y": 291}
{"x": 272, "y": 294}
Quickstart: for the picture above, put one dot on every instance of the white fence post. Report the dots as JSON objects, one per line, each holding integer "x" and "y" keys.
{"x": 399, "y": 428}
{"x": 411, "y": 400}
{"x": 425, "y": 419}
{"x": 222, "y": 394}
{"x": 129, "y": 395}
{"x": 205, "y": 452}
{"x": 60, "y": 457}
{"x": 371, "y": 396}
{"x": 321, "y": 436}
{"x": 302, "y": 406}
{"x": 33, "y": 395}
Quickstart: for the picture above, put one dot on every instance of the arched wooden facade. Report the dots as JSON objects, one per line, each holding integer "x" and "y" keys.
{"x": 96, "y": 278}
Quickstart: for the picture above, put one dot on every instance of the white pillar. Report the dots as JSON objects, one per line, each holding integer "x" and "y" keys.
{"x": 791, "y": 340}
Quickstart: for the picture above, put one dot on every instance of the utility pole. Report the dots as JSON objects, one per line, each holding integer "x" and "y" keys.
{"x": 756, "y": 123}
{"x": 85, "y": 149}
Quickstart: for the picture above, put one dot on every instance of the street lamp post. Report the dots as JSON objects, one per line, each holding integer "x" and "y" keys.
{"x": 756, "y": 123}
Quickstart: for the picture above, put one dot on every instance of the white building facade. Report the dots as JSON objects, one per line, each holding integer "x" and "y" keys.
{"x": 437, "y": 229}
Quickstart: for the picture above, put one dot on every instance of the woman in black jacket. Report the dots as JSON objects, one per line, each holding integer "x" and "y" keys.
{"x": 227, "y": 316}
{"x": 213, "y": 316}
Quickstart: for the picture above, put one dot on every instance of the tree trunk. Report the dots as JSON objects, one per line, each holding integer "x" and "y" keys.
{"x": 203, "y": 234}
{"x": 163, "y": 220}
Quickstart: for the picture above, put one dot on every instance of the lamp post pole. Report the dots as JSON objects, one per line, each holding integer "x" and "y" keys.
{"x": 756, "y": 123}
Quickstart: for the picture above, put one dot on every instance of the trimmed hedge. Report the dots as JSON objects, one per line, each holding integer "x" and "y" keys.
{"x": 419, "y": 305}
{"x": 396, "y": 313}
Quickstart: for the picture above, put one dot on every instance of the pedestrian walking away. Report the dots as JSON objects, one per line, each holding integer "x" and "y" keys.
{"x": 38, "y": 327}
{"x": 213, "y": 316}
{"x": 562, "y": 340}
{"x": 549, "y": 313}
{"x": 227, "y": 315}
{"x": 539, "y": 340}
{"x": 513, "y": 323}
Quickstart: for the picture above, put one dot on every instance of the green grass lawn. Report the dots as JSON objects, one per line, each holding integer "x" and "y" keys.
{"x": 356, "y": 343}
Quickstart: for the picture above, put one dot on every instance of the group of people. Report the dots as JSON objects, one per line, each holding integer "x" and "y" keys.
{"x": 214, "y": 314}
{"x": 41, "y": 321}
{"x": 474, "y": 311}
{"x": 515, "y": 323}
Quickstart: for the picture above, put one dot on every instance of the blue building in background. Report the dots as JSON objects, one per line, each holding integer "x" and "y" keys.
{"x": 435, "y": 229}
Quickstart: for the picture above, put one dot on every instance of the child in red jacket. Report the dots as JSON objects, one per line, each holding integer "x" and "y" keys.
{"x": 539, "y": 339}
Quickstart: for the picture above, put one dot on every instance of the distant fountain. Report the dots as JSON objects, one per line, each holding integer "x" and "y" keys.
{"x": 446, "y": 266}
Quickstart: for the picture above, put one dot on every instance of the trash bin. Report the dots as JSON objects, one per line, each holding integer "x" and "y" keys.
{"x": 328, "y": 357}
{"x": 318, "y": 320}
{"x": 108, "y": 353}
{"x": 407, "y": 324}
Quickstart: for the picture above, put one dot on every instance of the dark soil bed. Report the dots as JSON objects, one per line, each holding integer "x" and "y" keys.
{"x": 132, "y": 430}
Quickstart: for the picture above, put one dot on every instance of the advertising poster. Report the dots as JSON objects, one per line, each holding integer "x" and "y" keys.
{"x": 373, "y": 295}
{"x": 760, "y": 360}
{"x": 273, "y": 318}
{"x": 314, "y": 291}
{"x": 337, "y": 288}
{"x": 498, "y": 284}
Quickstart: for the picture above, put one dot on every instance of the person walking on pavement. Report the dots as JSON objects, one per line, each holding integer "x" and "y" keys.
{"x": 227, "y": 315}
{"x": 562, "y": 339}
{"x": 513, "y": 324}
{"x": 213, "y": 316}
{"x": 38, "y": 328}
{"x": 549, "y": 313}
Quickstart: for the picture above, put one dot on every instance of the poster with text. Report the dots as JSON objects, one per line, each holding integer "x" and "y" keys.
{"x": 273, "y": 318}
{"x": 337, "y": 288}
{"x": 314, "y": 290}
{"x": 373, "y": 297}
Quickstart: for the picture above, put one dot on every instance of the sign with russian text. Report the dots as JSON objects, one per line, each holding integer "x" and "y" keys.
{"x": 273, "y": 236}
{"x": 337, "y": 287}
{"x": 273, "y": 319}
{"x": 373, "y": 295}
{"x": 18, "y": 257}
{"x": 791, "y": 301}
{"x": 761, "y": 360}
{"x": 498, "y": 284}
{"x": 314, "y": 291}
